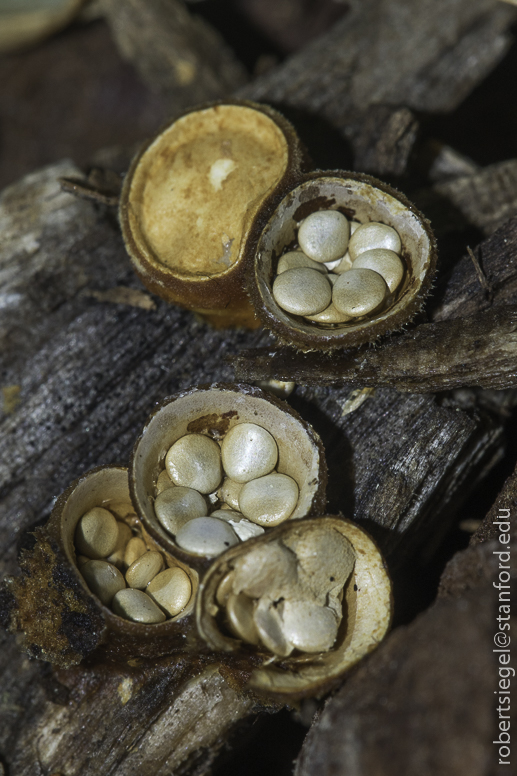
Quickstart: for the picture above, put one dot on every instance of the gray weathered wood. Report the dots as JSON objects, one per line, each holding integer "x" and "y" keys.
{"x": 425, "y": 55}
{"x": 487, "y": 198}
{"x": 86, "y": 373}
{"x": 476, "y": 351}
{"x": 426, "y": 702}
{"x": 176, "y": 52}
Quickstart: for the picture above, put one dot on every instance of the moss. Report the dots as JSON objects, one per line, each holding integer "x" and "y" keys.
{"x": 48, "y": 605}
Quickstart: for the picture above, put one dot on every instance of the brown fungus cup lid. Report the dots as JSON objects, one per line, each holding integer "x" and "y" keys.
{"x": 307, "y": 600}
{"x": 191, "y": 197}
{"x": 245, "y": 494}
{"x": 362, "y": 199}
{"x": 62, "y": 607}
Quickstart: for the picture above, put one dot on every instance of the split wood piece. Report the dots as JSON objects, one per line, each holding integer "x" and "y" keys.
{"x": 410, "y": 63}
{"x": 414, "y": 706}
{"x": 383, "y": 139}
{"x": 460, "y": 291}
{"x": 478, "y": 350}
{"x": 473, "y": 341}
{"x": 478, "y": 564}
{"x": 486, "y": 198}
{"x": 177, "y": 53}
{"x": 159, "y": 720}
{"x": 417, "y": 705}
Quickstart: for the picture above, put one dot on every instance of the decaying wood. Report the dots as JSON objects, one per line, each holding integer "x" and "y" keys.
{"x": 86, "y": 368}
{"x": 472, "y": 341}
{"x": 389, "y": 52}
{"x": 90, "y": 372}
{"x": 424, "y": 702}
{"x": 100, "y": 706}
{"x": 176, "y": 52}
{"x": 487, "y": 198}
{"x": 476, "y": 351}
{"x": 460, "y": 293}
{"x": 441, "y": 162}
{"x": 383, "y": 140}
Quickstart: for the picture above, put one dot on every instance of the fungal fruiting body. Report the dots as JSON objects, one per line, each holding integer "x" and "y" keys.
{"x": 210, "y": 497}
{"x": 287, "y": 595}
{"x": 191, "y": 196}
{"x": 309, "y": 599}
{"x": 297, "y": 601}
{"x": 124, "y": 573}
{"x": 339, "y": 272}
{"x": 218, "y": 465}
{"x": 343, "y": 259}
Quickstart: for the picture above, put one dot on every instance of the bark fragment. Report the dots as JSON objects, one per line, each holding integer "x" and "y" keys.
{"x": 426, "y": 701}
{"x": 176, "y": 52}
{"x": 478, "y": 350}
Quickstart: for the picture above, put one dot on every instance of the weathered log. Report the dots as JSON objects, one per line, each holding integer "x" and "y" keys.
{"x": 177, "y": 53}
{"x": 475, "y": 351}
{"x": 80, "y": 376}
{"x": 470, "y": 343}
{"x": 386, "y": 52}
{"x": 487, "y": 198}
{"x": 427, "y": 701}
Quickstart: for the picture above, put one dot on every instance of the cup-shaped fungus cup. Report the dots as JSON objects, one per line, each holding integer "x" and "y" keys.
{"x": 307, "y": 600}
{"x": 191, "y": 198}
{"x": 64, "y": 602}
{"x": 263, "y": 465}
{"x": 357, "y": 309}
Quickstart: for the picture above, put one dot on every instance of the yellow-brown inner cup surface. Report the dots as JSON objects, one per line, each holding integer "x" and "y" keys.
{"x": 197, "y": 187}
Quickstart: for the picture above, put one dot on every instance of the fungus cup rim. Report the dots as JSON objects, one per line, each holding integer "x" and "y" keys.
{"x": 293, "y": 330}
{"x": 241, "y": 391}
{"x": 211, "y": 293}
{"x": 114, "y": 625}
{"x": 294, "y": 678}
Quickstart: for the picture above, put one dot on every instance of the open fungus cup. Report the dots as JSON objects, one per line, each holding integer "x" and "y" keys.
{"x": 363, "y": 199}
{"x": 77, "y": 623}
{"x": 365, "y": 605}
{"x": 213, "y": 200}
{"x": 213, "y": 411}
{"x": 191, "y": 197}
{"x": 290, "y": 610}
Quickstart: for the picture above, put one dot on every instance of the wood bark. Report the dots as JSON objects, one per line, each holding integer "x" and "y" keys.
{"x": 391, "y": 53}
{"x": 177, "y": 54}
{"x": 84, "y": 364}
{"x": 426, "y": 700}
{"x": 88, "y": 373}
{"x": 476, "y": 351}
